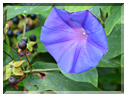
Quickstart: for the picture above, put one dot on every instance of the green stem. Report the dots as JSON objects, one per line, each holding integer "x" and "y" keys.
{"x": 24, "y": 30}
{"x": 27, "y": 66}
{"x": 27, "y": 57}
{"x": 41, "y": 70}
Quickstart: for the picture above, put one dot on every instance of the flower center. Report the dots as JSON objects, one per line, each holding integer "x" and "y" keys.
{"x": 84, "y": 33}
{"x": 80, "y": 34}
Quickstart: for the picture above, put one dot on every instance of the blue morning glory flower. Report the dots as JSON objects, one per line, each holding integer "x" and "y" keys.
{"x": 76, "y": 40}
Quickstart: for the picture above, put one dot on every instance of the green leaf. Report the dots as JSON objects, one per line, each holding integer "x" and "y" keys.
{"x": 6, "y": 49}
{"x": 113, "y": 77}
{"x": 36, "y": 32}
{"x": 105, "y": 70}
{"x": 13, "y": 11}
{"x": 41, "y": 47}
{"x": 113, "y": 19}
{"x": 4, "y": 87}
{"x": 8, "y": 43}
{"x": 44, "y": 65}
{"x": 81, "y": 7}
{"x": 113, "y": 62}
{"x": 36, "y": 4}
{"x": 95, "y": 11}
{"x": 104, "y": 13}
{"x": 45, "y": 57}
{"x": 60, "y": 5}
{"x": 4, "y": 16}
{"x": 108, "y": 85}
{"x": 44, "y": 15}
{"x": 29, "y": 47}
{"x": 115, "y": 45}
{"x": 78, "y": 7}
{"x": 57, "y": 82}
{"x": 122, "y": 60}
{"x": 90, "y": 76}
{"x": 121, "y": 21}
{"x": 18, "y": 63}
{"x": 28, "y": 84}
{"x": 17, "y": 71}
{"x": 109, "y": 78}
{"x": 7, "y": 73}
{"x": 105, "y": 9}
{"x": 18, "y": 10}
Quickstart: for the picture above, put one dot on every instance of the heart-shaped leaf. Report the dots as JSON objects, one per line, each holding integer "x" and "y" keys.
{"x": 114, "y": 17}
{"x": 90, "y": 76}
{"x": 13, "y": 11}
{"x": 44, "y": 65}
{"x": 115, "y": 45}
{"x": 57, "y": 82}
{"x": 95, "y": 11}
{"x": 112, "y": 62}
{"x": 78, "y": 7}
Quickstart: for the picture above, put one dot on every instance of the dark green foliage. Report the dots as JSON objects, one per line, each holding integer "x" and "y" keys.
{"x": 107, "y": 76}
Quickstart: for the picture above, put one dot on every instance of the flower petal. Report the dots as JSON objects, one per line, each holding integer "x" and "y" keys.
{"x": 76, "y": 40}
{"x": 95, "y": 31}
{"x": 54, "y": 21}
{"x": 67, "y": 60}
{"x": 88, "y": 57}
{"x": 51, "y": 36}
{"x": 68, "y": 19}
{"x": 57, "y": 50}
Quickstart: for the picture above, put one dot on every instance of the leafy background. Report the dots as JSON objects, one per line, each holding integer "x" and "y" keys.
{"x": 107, "y": 76}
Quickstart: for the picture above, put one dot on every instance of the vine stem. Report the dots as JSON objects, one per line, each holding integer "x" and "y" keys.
{"x": 41, "y": 70}
{"x": 28, "y": 61}
{"x": 18, "y": 56}
{"x": 20, "y": 60}
{"x": 8, "y": 55}
{"x": 24, "y": 30}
